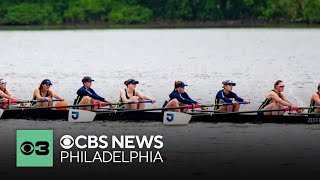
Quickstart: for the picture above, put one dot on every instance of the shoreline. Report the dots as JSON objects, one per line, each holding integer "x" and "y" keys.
{"x": 162, "y": 25}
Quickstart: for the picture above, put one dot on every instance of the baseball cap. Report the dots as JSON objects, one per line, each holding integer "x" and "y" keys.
{"x": 181, "y": 84}
{"x": 131, "y": 81}
{"x": 87, "y": 79}
{"x": 46, "y": 81}
{"x": 229, "y": 82}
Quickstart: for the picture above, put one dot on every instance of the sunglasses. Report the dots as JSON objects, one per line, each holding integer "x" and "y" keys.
{"x": 281, "y": 86}
{"x": 3, "y": 83}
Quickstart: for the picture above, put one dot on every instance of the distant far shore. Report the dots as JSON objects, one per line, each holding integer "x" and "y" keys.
{"x": 165, "y": 25}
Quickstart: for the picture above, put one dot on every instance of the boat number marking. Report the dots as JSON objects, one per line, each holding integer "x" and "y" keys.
{"x": 75, "y": 115}
{"x": 170, "y": 117}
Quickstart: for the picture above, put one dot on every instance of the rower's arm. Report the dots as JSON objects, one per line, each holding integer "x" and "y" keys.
{"x": 221, "y": 96}
{"x": 8, "y": 93}
{"x": 37, "y": 94}
{"x": 56, "y": 95}
{"x": 316, "y": 98}
{"x": 4, "y": 95}
{"x": 285, "y": 98}
{"x": 94, "y": 95}
{"x": 276, "y": 98}
{"x": 91, "y": 93}
{"x": 237, "y": 98}
{"x": 11, "y": 96}
{"x": 187, "y": 98}
{"x": 142, "y": 96}
{"x": 123, "y": 96}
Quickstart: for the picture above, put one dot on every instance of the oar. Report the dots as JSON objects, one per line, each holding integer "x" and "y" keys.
{"x": 160, "y": 109}
{"x": 26, "y": 101}
{"x": 255, "y": 111}
{"x": 51, "y": 107}
{"x": 140, "y": 102}
{"x": 213, "y": 105}
{"x": 315, "y": 114}
{"x": 221, "y": 104}
{"x": 309, "y": 107}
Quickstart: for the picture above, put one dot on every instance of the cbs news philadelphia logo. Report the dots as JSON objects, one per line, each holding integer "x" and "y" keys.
{"x": 34, "y": 148}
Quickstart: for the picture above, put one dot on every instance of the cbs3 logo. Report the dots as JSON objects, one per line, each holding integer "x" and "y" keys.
{"x": 40, "y": 148}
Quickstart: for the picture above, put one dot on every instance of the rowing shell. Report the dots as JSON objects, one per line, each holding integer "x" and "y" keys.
{"x": 62, "y": 115}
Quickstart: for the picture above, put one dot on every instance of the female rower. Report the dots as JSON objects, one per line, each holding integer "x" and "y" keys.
{"x": 133, "y": 96}
{"x": 315, "y": 101}
{"x": 44, "y": 94}
{"x": 275, "y": 99}
{"x": 5, "y": 93}
{"x": 86, "y": 95}
{"x": 179, "y": 97}
{"x": 226, "y": 96}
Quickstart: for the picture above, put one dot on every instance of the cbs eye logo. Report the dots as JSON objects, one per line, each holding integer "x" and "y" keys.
{"x": 40, "y": 148}
{"x": 66, "y": 142}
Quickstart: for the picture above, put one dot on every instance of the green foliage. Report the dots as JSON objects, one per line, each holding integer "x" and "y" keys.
{"x": 87, "y": 10}
{"x": 33, "y": 12}
{"x": 206, "y": 10}
{"x": 130, "y": 15}
{"x": 178, "y": 10}
{"x": 311, "y": 10}
{"x": 283, "y": 10}
{"x": 28, "y": 13}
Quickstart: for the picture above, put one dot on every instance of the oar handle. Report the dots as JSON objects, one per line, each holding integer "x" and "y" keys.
{"x": 227, "y": 104}
{"x": 143, "y": 101}
{"x": 26, "y": 101}
{"x": 222, "y": 104}
{"x": 194, "y": 106}
{"x": 106, "y": 104}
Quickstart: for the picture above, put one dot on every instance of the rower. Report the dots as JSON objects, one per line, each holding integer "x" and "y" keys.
{"x": 131, "y": 95}
{"x": 5, "y": 94}
{"x": 275, "y": 99}
{"x": 86, "y": 95}
{"x": 315, "y": 101}
{"x": 178, "y": 97}
{"x": 45, "y": 94}
{"x": 226, "y": 95}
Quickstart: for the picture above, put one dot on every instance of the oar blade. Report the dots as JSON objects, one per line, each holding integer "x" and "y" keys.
{"x": 176, "y": 118}
{"x": 77, "y": 115}
{"x": 1, "y": 112}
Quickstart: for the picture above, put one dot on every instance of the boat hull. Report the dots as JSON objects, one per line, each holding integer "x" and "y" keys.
{"x": 45, "y": 114}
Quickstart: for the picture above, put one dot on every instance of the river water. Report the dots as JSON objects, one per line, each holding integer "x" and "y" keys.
{"x": 202, "y": 58}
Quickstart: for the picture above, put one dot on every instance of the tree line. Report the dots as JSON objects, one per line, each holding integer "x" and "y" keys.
{"x": 55, "y": 12}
